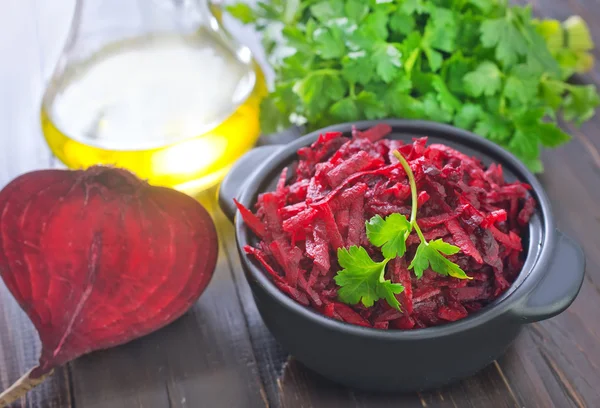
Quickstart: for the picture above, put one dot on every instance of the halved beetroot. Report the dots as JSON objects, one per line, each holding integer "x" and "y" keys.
{"x": 97, "y": 258}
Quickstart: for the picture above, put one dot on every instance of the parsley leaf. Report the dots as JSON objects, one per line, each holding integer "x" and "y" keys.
{"x": 402, "y": 23}
{"x": 414, "y": 6}
{"x": 345, "y": 109}
{"x": 434, "y": 58}
{"x": 453, "y": 71}
{"x": 376, "y": 23}
{"x": 356, "y": 10}
{"x": 387, "y": 60}
{"x": 405, "y": 106}
{"x": 358, "y": 68}
{"x": 327, "y": 10}
{"x": 430, "y": 255}
{"x": 513, "y": 36}
{"x": 477, "y": 64}
{"x": 522, "y": 85}
{"x": 370, "y": 105}
{"x": 389, "y": 234}
{"x": 525, "y": 144}
{"x": 552, "y": 93}
{"x": 448, "y": 101}
{"x": 411, "y": 50}
{"x": 467, "y": 116}
{"x": 242, "y": 12}
{"x": 484, "y": 5}
{"x": 494, "y": 128}
{"x": 441, "y": 30}
{"x": 501, "y": 34}
{"x": 580, "y": 103}
{"x": 551, "y": 135}
{"x": 329, "y": 42}
{"x": 318, "y": 89}
{"x": 433, "y": 109}
{"x": 363, "y": 280}
{"x": 485, "y": 80}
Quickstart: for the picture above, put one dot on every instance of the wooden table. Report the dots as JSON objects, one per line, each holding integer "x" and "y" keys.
{"x": 220, "y": 354}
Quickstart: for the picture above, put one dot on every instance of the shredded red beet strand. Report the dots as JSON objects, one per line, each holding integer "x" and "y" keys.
{"x": 341, "y": 182}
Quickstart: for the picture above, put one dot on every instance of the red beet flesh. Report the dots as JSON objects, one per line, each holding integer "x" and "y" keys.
{"x": 97, "y": 258}
{"x": 339, "y": 183}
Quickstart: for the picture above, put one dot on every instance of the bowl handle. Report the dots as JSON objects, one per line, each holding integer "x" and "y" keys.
{"x": 558, "y": 289}
{"x": 234, "y": 182}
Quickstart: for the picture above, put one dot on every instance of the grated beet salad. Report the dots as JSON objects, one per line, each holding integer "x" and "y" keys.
{"x": 339, "y": 183}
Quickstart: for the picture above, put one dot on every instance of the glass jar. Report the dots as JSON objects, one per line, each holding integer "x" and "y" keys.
{"x": 154, "y": 86}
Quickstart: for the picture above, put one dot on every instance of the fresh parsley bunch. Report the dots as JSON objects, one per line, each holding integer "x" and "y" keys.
{"x": 481, "y": 65}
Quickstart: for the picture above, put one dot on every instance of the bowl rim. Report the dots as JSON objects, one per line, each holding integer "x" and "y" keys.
{"x": 535, "y": 267}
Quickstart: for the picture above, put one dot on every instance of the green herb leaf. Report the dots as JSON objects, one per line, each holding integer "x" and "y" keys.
{"x": 358, "y": 68}
{"x": 356, "y": 10}
{"x": 484, "y": 5}
{"x": 242, "y": 12}
{"x": 376, "y": 24}
{"x": 402, "y": 23}
{"x": 477, "y": 64}
{"x": 405, "y": 106}
{"x": 389, "y": 234}
{"x": 371, "y": 106}
{"x": 441, "y": 30}
{"x": 494, "y": 128}
{"x": 411, "y": 50}
{"x": 552, "y": 93}
{"x": 448, "y": 101}
{"x": 430, "y": 255}
{"x": 522, "y": 85}
{"x": 514, "y": 36}
{"x": 552, "y": 32}
{"x": 434, "y": 58}
{"x": 387, "y": 60}
{"x": 467, "y": 116}
{"x": 318, "y": 89}
{"x": 525, "y": 144}
{"x": 363, "y": 280}
{"x": 580, "y": 103}
{"x": 327, "y": 10}
{"x": 345, "y": 109}
{"x": 501, "y": 34}
{"x": 434, "y": 111}
{"x": 551, "y": 135}
{"x": 578, "y": 34}
{"x": 414, "y": 6}
{"x": 329, "y": 42}
{"x": 485, "y": 80}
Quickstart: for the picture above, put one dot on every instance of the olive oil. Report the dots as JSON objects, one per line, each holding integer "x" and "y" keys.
{"x": 177, "y": 111}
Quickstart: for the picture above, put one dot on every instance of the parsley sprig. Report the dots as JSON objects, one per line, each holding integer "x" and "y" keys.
{"x": 429, "y": 254}
{"x": 481, "y": 65}
{"x": 363, "y": 280}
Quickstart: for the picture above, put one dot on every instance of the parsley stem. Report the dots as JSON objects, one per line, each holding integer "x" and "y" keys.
{"x": 413, "y": 191}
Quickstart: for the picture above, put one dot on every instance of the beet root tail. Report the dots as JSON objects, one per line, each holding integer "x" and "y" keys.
{"x": 21, "y": 387}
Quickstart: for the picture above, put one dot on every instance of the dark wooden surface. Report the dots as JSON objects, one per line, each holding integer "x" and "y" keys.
{"x": 220, "y": 353}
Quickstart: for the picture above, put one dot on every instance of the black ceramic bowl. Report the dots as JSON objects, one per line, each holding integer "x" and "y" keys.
{"x": 418, "y": 359}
